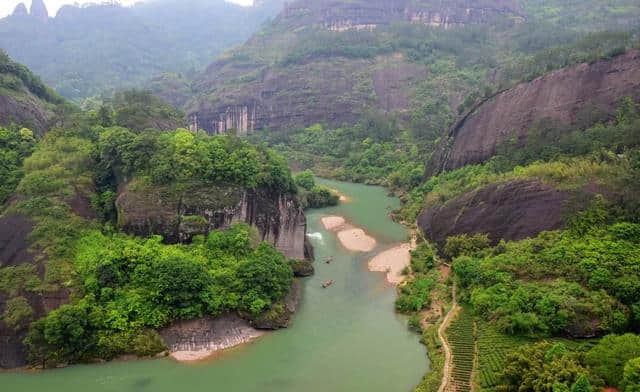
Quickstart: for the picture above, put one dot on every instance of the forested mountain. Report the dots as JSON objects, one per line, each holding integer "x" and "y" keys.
{"x": 84, "y": 51}
{"x": 328, "y": 61}
{"x": 24, "y": 99}
{"x": 509, "y": 129}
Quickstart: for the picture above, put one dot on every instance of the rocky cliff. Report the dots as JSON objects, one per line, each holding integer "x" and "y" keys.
{"x": 20, "y": 10}
{"x": 258, "y": 87}
{"x": 24, "y": 99}
{"x": 39, "y": 10}
{"x": 565, "y": 97}
{"x": 28, "y": 279}
{"x": 336, "y": 15}
{"x": 180, "y": 215}
{"x": 509, "y": 211}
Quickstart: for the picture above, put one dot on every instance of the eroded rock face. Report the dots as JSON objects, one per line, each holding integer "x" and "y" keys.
{"x": 339, "y": 15}
{"x": 27, "y": 112}
{"x": 179, "y": 216}
{"x": 247, "y": 95}
{"x": 15, "y": 251}
{"x": 509, "y": 211}
{"x": 18, "y": 250}
{"x": 208, "y": 334}
{"x": 562, "y": 96}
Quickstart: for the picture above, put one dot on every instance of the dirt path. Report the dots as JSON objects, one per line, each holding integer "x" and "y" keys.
{"x": 446, "y": 370}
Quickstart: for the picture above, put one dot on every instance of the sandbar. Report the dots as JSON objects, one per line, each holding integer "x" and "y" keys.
{"x": 392, "y": 261}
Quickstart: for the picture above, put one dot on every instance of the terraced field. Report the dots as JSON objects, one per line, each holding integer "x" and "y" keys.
{"x": 460, "y": 336}
{"x": 493, "y": 346}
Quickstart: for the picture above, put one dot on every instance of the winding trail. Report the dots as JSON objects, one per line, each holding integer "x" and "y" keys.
{"x": 446, "y": 370}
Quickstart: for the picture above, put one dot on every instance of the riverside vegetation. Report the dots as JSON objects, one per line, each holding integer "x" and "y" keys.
{"x": 124, "y": 288}
{"x": 548, "y": 313}
{"x": 556, "y": 311}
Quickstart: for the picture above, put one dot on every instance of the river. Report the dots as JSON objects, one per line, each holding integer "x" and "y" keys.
{"x": 344, "y": 338}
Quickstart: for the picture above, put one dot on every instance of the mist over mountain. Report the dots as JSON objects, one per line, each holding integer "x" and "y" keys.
{"x": 83, "y": 51}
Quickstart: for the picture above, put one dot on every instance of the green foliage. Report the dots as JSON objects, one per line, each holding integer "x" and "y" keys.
{"x": 371, "y": 152}
{"x": 608, "y": 358}
{"x": 17, "y": 312}
{"x": 24, "y": 78}
{"x": 86, "y": 51}
{"x": 305, "y": 180}
{"x": 139, "y": 110}
{"x": 531, "y": 368}
{"x": 318, "y": 197}
{"x": 548, "y": 284}
{"x": 582, "y": 384}
{"x": 131, "y": 285}
{"x": 15, "y": 145}
{"x": 415, "y": 295}
{"x": 631, "y": 379}
{"x": 182, "y": 157}
{"x": 422, "y": 258}
{"x": 465, "y": 245}
{"x": 461, "y": 338}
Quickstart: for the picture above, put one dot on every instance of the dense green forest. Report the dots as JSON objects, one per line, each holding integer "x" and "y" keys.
{"x": 124, "y": 288}
{"x": 554, "y": 312}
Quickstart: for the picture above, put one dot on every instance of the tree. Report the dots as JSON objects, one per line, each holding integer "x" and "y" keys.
{"x": 305, "y": 180}
{"x": 582, "y": 384}
{"x": 631, "y": 381}
{"x": 608, "y": 358}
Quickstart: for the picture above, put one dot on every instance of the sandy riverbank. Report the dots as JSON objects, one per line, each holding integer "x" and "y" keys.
{"x": 392, "y": 261}
{"x": 352, "y": 238}
{"x": 333, "y": 222}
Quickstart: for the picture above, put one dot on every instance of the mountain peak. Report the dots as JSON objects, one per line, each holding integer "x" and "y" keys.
{"x": 39, "y": 10}
{"x": 20, "y": 9}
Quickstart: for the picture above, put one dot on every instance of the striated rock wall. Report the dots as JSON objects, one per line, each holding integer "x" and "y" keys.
{"x": 246, "y": 93}
{"x": 26, "y": 111}
{"x": 561, "y": 96}
{"x": 208, "y": 334}
{"x": 339, "y": 15}
{"x": 178, "y": 216}
{"x": 331, "y": 91}
{"x": 509, "y": 211}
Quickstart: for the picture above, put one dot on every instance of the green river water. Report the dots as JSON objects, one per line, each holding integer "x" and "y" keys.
{"x": 344, "y": 338}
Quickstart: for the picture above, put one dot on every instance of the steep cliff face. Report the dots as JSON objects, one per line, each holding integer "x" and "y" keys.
{"x": 510, "y": 211}
{"x": 17, "y": 251}
{"x": 39, "y": 10}
{"x": 338, "y": 15}
{"x": 24, "y": 99}
{"x": 180, "y": 215}
{"x": 25, "y": 110}
{"x": 324, "y": 91}
{"x": 562, "y": 97}
{"x": 254, "y": 88}
{"x": 20, "y": 10}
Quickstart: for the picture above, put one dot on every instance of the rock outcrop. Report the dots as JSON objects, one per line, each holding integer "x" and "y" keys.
{"x": 178, "y": 216}
{"x": 244, "y": 93}
{"x": 510, "y": 211}
{"x": 208, "y": 334}
{"x": 336, "y": 15}
{"x": 20, "y": 10}
{"x": 564, "y": 97}
{"x": 39, "y": 10}
{"x": 27, "y": 111}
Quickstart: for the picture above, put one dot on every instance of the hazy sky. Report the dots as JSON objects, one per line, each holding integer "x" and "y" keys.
{"x": 7, "y": 6}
